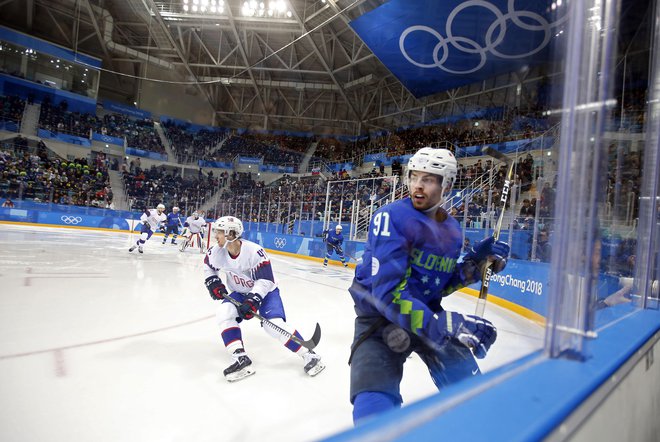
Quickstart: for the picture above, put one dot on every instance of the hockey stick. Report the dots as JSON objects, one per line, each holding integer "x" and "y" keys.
{"x": 487, "y": 272}
{"x": 309, "y": 344}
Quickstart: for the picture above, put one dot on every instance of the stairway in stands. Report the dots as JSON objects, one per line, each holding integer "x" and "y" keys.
{"x": 166, "y": 143}
{"x": 212, "y": 200}
{"x": 308, "y": 156}
{"x": 214, "y": 150}
{"x": 119, "y": 196}
{"x": 30, "y": 120}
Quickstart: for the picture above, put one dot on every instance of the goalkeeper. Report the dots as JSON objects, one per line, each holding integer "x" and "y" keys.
{"x": 333, "y": 242}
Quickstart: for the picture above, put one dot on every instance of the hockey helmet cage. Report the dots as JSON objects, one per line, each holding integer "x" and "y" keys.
{"x": 229, "y": 224}
{"x": 436, "y": 161}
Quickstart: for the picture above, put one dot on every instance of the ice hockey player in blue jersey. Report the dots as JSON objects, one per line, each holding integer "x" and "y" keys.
{"x": 333, "y": 242}
{"x": 173, "y": 223}
{"x": 410, "y": 263}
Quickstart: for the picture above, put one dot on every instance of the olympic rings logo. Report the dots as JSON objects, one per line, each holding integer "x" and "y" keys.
{"x": 71, "y": 219}
{"x": 494, "y": 36}
{"x": 280, "y": 242}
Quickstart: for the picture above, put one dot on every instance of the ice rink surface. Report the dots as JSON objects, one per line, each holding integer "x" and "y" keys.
{"x": 98, "y": 344}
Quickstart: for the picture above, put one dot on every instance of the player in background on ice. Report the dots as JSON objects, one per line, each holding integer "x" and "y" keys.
{"x": 152, "y": 220}
{"x": 173, "y": 223}
{"x": 410, "y": 263}
{"x": 193, "y": 232}
{"x": 250, "y": 279}
{"x": 333, "y": 242}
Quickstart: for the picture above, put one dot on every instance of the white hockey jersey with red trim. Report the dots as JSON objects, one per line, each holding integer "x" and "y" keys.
{"x": 153, "y": 218}
{"x": 249, "y": 272}
{"x": 195, "y": 225}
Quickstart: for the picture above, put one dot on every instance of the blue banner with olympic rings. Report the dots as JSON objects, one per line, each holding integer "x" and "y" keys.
{"x": 433, "y": 46}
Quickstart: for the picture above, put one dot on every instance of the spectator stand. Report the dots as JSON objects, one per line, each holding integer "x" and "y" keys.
{"x": 11, "y": 113}
{"x": 35, "y": 174}
{"x": 192, "y": 142}
{"x": 187, "y": 188}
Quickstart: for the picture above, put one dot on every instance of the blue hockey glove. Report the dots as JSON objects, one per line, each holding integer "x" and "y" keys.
{"x": 250, "y": 306}
{"x": 215, "y": 287}
{"x": 476, "y": 333}
{"x": 486, "y": 249}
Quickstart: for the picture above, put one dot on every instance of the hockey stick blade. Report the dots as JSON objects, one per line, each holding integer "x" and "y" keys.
{"x": 491, "y": 152}
{"x": 315, "y": 339}
{"x": 310, "y": 344}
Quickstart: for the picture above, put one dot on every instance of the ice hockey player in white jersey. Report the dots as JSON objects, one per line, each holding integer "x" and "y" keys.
{"x": 152, "y": 220}
{"x": 249, "y": 277}
{"x": 193, "y": 231}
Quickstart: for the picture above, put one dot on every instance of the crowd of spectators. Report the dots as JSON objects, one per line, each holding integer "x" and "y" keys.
{"x": 139, "y": 133}
{"x": 334, "y": 150}
{"x": 34, "y": 176}
{"x": 257, "y": 146}
{"x": 146, "y": 188}
{"x": 289, "y": 198}
{"x": 11, "y": 108}
{"x": 191, "y": 145}
{"x": 278, "y": 202}
{"x": 513, "y": 125}
{"x": 58, "y": 119}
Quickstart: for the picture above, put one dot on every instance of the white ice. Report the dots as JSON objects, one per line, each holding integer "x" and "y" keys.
{"x": 97, "y": 344}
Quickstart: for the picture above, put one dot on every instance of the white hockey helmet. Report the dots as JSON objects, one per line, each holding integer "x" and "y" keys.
{"x": 175, "y": 209}
{"x": 196, "y": 215}
{"x": 229, "y": 224}
{"x": 160, "y": 207}
{"x": 436, "y": 161}
{"x": 338, "y": 227}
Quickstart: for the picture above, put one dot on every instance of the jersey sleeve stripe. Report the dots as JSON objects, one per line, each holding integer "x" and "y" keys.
{"x": 208, "y": 263}
{"x": 263, "y": 271}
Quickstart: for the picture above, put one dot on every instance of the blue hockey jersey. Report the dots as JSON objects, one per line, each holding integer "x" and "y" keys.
{"x": 334, "y": 238}
{"x": 409, "y": 264}
{"x": 173, "y": 219}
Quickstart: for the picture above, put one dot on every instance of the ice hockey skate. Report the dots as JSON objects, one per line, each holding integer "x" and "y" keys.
{"x": 140, "y": 249}
{"x": 132, "y": 248}
{"x": 239, "y": 369}
{"x": 313, "y": 364}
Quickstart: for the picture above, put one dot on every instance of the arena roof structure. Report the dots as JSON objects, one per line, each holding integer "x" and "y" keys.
{"x": 304, "y": 65}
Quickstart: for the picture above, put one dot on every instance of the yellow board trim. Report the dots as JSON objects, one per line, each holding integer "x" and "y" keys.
{"x": 508, "y": 305}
